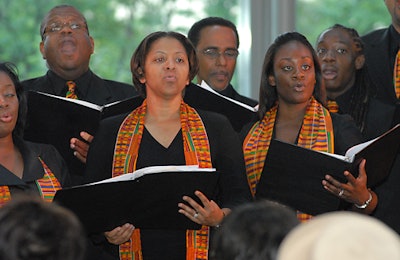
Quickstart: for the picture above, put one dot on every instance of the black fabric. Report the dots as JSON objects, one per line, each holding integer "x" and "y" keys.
{"x": 345, "y": 131}
{"x": 380, "y": 62}
{"x": 229, "y": 91}
{"x": 171, "y": 244}
{"x": 380, "y": 50}
{"x": 200, "y": 98}
{"x": 90, "y": 88}
{"x": 226, "y": 156}
{"x": 33, "y": 168}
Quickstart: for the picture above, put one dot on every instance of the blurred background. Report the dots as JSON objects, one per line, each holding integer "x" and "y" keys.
{"x": 117, "y": 27}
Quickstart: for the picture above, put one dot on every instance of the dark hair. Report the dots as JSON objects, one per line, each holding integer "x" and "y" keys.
{"x": 194, "y": 32}
{"x": 268, "y": 94}
{"x": 253, "y": 231}
{"x": 11, "y": 70}
{"x": 44, "y": 20}
{"x": 32, "y": 229}
{"x": 362, "y": 89}
{"x": 139, "y": 57}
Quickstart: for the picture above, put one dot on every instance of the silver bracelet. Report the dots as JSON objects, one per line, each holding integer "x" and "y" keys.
{"x": 363, "y": 206}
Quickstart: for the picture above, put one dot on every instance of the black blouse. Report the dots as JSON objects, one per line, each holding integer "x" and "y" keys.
{"x": 226, "y": 157}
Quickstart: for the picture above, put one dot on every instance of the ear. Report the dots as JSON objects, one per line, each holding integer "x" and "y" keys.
{"x": 142, "y": 77}
{"x": 271, "y": 80}
{"x": 91, "y": 44}
{"x": 41, "y": 48}
{"x": 359, "y": 62}
{"x": 188, "y": 81}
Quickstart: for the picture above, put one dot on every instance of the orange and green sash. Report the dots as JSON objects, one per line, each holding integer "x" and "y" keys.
{"x": 47, "y": 186}
{"x": 196, "y": 151}
{"x": 316, "y": 133}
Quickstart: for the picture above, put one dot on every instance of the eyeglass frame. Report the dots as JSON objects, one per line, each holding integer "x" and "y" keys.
{"x": 215, "y": 53}
{"x": 52, "y": 28}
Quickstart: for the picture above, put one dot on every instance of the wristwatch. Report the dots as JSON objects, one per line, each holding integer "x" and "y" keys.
{"x": 363, "y": 206}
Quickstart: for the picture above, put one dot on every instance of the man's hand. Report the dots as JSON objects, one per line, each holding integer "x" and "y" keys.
{"x": 81, "y": 147}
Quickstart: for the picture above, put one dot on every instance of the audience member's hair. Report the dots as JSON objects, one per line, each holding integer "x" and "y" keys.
{"x": 253, "y": 231}
{"x": 32, "y": 229}
{"x": 341, "y": 235}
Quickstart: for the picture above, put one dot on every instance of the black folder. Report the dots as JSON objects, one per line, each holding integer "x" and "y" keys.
{"x": 55, "y": 120}
{"x": 149, "y": 202}
{"x": 201, "y": 98}
{"x": 293, "y": 175}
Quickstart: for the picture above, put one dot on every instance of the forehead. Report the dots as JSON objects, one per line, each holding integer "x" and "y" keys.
{"x": 64, "y": 13}
{"x": 5, "y": 79}
{"x": 167, "y": 44}
{"x": 217, "y": 36}
{"x": 293, "y": 49}
{"x": 336, "y": 35}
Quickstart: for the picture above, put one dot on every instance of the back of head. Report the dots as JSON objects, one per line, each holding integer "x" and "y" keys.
{"x": 341, "y": 235}
{"x": 253, "y": 231}
{"x": 33, "y": 229}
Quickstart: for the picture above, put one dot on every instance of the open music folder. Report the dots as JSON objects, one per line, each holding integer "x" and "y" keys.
{"x": 292, "y": 175}
{"x": 147, "y": 198}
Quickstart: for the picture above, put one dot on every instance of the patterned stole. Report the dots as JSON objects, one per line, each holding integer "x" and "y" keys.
{"x": 47, "y": 186}
{"x": 333, "y": 107}
{"x": 396, "y": 75}
{"x": 196, "y": 151}
{"x": 316, "y": 133}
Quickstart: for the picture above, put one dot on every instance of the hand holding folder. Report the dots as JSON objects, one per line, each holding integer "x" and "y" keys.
{"x": 148, "y": 198}
{"x": 292, "y": 175}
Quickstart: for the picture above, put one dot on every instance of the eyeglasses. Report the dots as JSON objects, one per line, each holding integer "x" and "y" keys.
{"x": 58, "y": 26}
{"x": 213, "y": 54}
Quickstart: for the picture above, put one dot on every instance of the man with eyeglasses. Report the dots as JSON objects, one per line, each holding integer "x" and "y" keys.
{"x": 67, "y": 47}
{"x": 217, "y": 41}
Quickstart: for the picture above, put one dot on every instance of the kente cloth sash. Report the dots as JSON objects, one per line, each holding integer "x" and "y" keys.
{"x": 47, "y": 186}
{"x": 71, "y": 90}
{"x": 196, "y": 151}
{"x": 396, "y": 75}
{"x": 316, "y": 133}
{"x": 333, "y": 106}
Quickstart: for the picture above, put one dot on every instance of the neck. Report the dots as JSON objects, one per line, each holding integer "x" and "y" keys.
{"x": 70, "y": 74}
{"x": 289, "y": 121}
{"x": 163, "y": 110}
{"x": 6, "y": 145}
{"x": 291, "y": 112}
{"x": 336, "y": 92}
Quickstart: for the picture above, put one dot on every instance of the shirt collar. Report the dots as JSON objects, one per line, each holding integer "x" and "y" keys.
{"x": 60, "y": 88}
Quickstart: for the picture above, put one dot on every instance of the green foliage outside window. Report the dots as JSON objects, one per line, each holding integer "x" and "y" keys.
{"x": 117, "y": 26}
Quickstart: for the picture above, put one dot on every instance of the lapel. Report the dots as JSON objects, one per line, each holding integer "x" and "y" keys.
{"x": 99, "y": 91}
{"x": 380, "y": 67}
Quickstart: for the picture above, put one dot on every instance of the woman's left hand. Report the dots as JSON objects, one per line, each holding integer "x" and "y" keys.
{"x": 354, "y": 191}
{"x": 209, "y": 214}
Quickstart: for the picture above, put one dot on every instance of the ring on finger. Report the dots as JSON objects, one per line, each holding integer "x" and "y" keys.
{"x": 196, "y": 215}
{"x": 341, "y": 193}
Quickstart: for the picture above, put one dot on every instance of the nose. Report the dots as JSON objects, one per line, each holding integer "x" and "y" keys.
{"x": 3, "y": 102}
{"x": 329, "y": 55}
{"x": 170, "y": 64}
{"x": 66, "y": 27}
{"x": 221, "y": 59}
{"x": 298, "y": 74}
